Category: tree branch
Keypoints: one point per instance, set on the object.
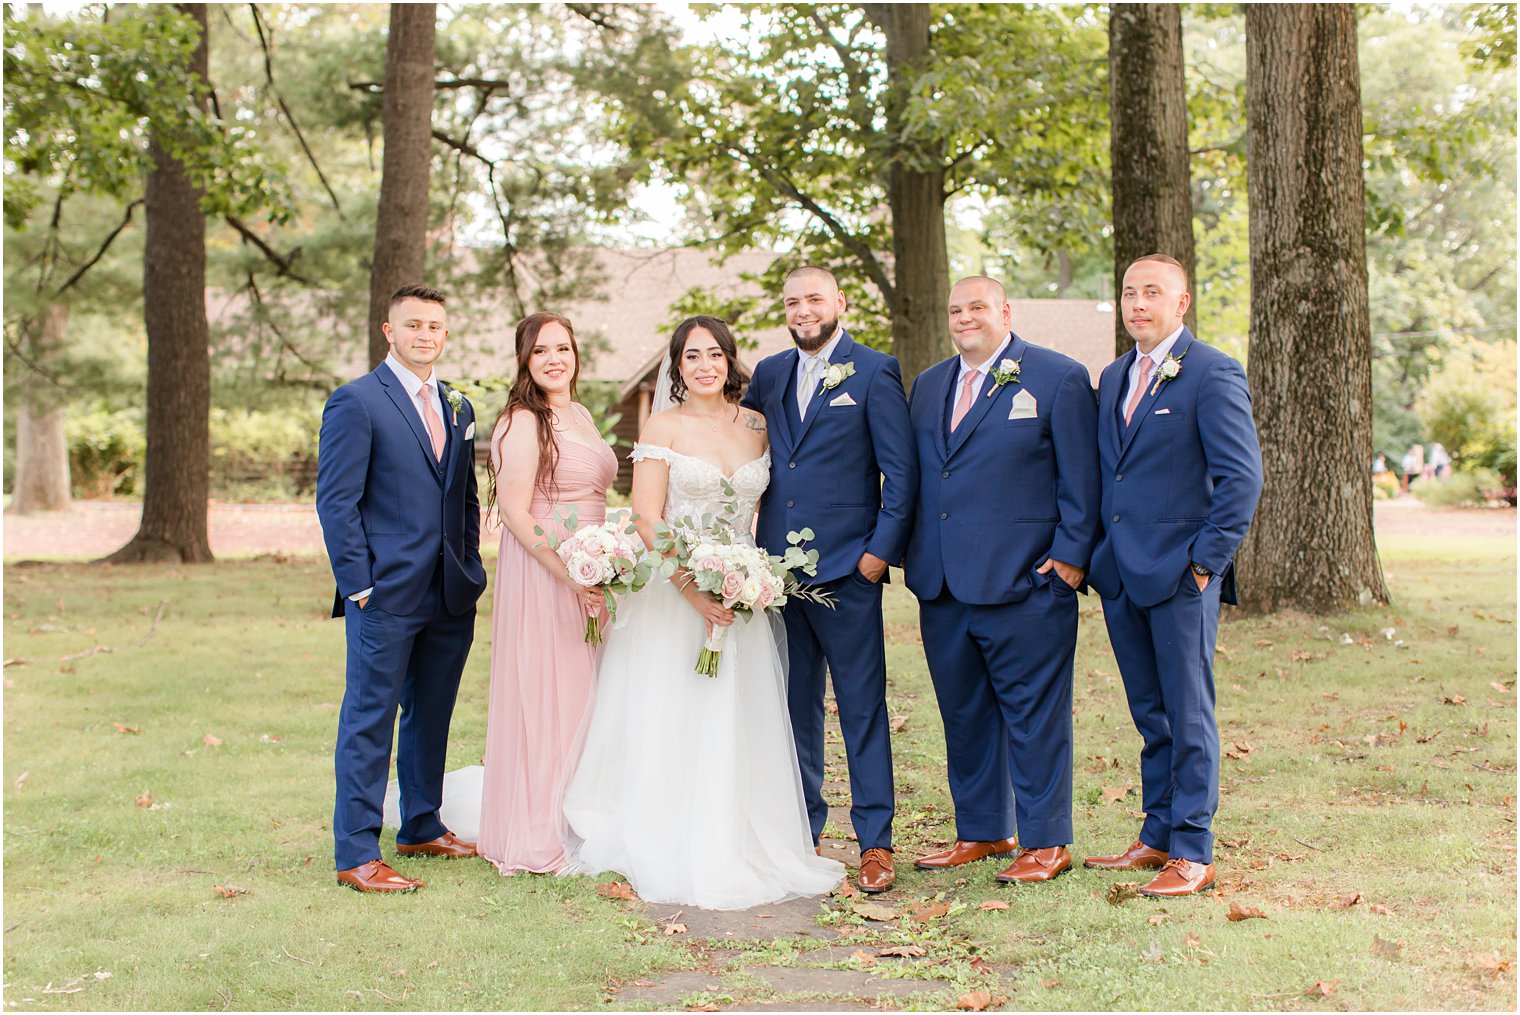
(283, 265)
(105, 245)
(258, 24)
(598, 14)
(376, 87)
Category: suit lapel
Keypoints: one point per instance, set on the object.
(397, 392)
(943, 409)
(1152, 392)
(451, 441)
(786, 396)
(843, 353)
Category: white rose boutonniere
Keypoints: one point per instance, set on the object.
(835, 375)
(456, 403)
(1006, 372)
(1169, 368)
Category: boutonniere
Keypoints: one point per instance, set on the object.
(1169, 368)
(836, 374)
(456, 403)
(1006, 372)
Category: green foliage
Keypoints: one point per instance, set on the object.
(105, 451)
(1471, 422)
(1472, 487)
(1385, 486)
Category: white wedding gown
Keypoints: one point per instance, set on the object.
(688, 785)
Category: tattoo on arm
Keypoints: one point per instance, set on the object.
(755, 423)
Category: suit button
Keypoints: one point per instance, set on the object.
(1119, 478)
(790, 503)
(945, 474)
(944, 514)
(1116, 518)
(791, 465)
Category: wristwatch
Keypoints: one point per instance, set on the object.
(1201, 571)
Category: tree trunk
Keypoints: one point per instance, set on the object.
(176, 467)
(1311, 546)
(1148, 126)
(407, 119)
(42, 449)
(921, 263)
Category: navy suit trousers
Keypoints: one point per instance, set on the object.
(1003, 677)
(845, 642)
(1166, 657)
(412, 661)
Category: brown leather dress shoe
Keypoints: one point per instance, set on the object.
(965, 852)
(1036, 865)
(1138, 857)
(1180, 877)
(377, 876)
(447, 845)
(876, 873)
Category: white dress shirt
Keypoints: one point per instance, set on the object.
(822, 355)
(985, 368)
(1156, 356)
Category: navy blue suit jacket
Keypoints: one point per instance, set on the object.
(848, 471)
(1180, 483)
(999, 496)
(389, 510)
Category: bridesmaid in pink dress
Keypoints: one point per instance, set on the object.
(546, 456)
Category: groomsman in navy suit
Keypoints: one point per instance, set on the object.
(401, 519)
(842, 464)
(1006, 434)
(1181, 474)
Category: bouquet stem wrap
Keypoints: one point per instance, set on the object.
(712, 651)
(593, 630)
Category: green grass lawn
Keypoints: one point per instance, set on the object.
(169, 730)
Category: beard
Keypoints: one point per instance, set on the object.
(826, 331)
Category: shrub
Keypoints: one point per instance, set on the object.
(1385, 486)
(1468, 488)
(105, 451)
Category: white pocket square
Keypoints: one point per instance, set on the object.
(469, 431)
(844, 399)
(1162, 412)
(1024, 406)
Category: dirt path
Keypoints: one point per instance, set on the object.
(91, 529)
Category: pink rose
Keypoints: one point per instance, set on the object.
(767, 596)
(708, 564)
(586, 570)
(733, 584)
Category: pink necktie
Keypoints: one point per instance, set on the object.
(963, 403)
(1146, 366)
(430, 417)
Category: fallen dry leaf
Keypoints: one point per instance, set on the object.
(1387, 949)
(229, 891)
(211, 741)
(1157, 920)
(863, 958)
(1047, 984)
(1492, 963)
(924, 912)
(993, 904)
(1453, 699)
(847, 889)
(1192, 941)
(1239, 912)
(616, 890)
(877, 912)
(1112, 794)
(675, 928)
(903, 952)
(977, 1000)
(1346, 901)
(1322, 989)
(1235, 843)
(1428, 738)
(1122, 891)
(980, 967)
(1501, 688)
(898, 723)
(124, 728)
(145, 799)
(21, 779)
(705, 1007)
(1380, 909)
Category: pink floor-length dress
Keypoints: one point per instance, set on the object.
(542, 675)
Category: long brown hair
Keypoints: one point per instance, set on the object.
(526, 394)
(733, 386)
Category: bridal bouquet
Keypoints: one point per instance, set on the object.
(610, 556)
(741, 576)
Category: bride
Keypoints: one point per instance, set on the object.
(688, 786)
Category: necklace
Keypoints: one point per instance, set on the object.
(703, 419)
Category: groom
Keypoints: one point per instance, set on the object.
(401, 519)
(842, 464)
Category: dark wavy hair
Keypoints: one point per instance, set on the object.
(738, 377)
(527, 395)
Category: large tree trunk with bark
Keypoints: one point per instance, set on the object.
(921, 264)
(1148, 129)
(177, 466)
(407, 120)
(42, 449)
(1311, 546)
